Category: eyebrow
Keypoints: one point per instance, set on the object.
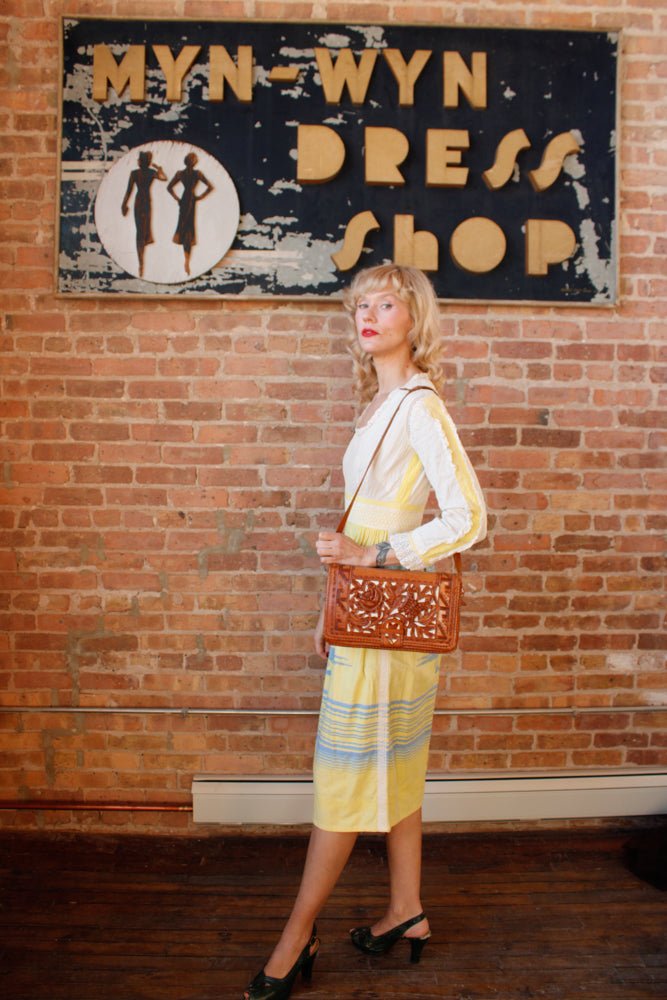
(382, 295)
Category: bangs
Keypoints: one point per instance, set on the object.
(376, 279)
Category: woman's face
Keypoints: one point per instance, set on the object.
(383, 324)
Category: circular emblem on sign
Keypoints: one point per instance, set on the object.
(167, 212)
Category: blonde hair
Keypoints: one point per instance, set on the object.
(414, 289)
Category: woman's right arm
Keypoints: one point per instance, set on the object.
(321, 645)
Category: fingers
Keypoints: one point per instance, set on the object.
(321, 645)
(328, 546)
(334, 547)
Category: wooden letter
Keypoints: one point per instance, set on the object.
(413, 249)
(458, 76)
(478, 245)
(107, 71)
(443, 148)
(507, 151)
(320, 154)
(406, 74)
(284, 74)
(552, 160)
(548, 241)
(237, 74)
(357, 229)
(385, 149)
(345, 71)
(175, 69)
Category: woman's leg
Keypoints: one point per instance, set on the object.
(327, 855)
(404, 854)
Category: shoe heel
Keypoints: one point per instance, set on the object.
(307, 967)
(416, 948)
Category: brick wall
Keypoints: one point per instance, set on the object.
(166, 468)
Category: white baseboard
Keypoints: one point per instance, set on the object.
(289, 800)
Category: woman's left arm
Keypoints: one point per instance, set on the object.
(334, 547)
(462, 519)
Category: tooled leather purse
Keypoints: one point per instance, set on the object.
(384, 608)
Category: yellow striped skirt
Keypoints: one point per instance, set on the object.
(373, 738)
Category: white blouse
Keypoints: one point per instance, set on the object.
(421, 451)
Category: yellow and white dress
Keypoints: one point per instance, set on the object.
(377, 705)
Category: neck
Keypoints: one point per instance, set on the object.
(393, 377)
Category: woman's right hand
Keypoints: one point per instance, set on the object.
(321, 645)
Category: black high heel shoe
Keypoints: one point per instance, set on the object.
(265, 987)
(380, 945)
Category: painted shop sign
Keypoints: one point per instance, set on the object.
(255, 158)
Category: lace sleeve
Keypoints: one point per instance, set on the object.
(462, 518)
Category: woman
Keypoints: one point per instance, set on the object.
(142, 178)
(377, 705)
(189, 179)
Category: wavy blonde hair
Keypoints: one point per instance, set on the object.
(414, 289)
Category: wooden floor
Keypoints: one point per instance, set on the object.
(554, 915)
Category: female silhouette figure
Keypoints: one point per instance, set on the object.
(189, 178)
(142, 178)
